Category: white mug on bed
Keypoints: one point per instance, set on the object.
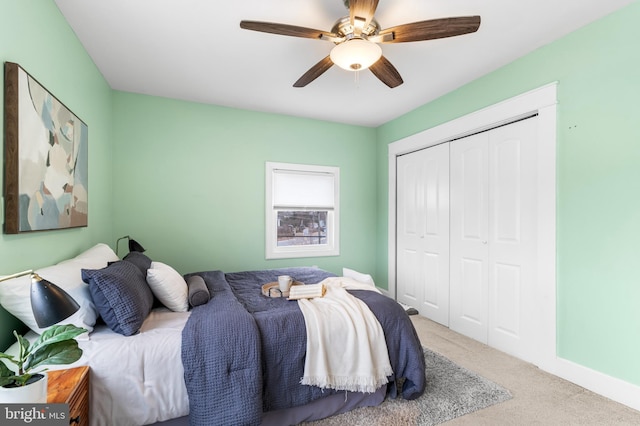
(284, 282)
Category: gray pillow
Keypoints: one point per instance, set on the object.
(121, 295)
(140, 260)
(198, 291)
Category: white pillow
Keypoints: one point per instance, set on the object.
(15, 294)
(358, 276)
(168, 286)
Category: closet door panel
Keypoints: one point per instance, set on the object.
(435, 301)
(506, 310)
(506, 190)
(468, 234)
(411, 175)
(472, 273)
(433, 297)
(423, 232)
(409, 274)
(409, 208)
(512, 242)
(473, 191)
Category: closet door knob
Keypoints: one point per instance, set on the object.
(484, 242)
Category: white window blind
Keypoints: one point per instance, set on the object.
(303, 190)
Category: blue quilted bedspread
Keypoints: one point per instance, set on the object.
(243, 353)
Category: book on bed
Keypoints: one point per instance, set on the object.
(308, 291)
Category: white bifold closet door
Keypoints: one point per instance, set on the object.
(423, 231)
(493, 237)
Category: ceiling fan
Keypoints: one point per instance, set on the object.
(357, 36)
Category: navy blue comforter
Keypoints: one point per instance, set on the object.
(243, 353)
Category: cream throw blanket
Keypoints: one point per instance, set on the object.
(346, 349)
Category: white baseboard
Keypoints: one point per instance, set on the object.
(600, 383)
(610, 387)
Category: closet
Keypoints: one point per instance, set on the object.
(466, 235)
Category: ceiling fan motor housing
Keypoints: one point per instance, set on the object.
(343, 28)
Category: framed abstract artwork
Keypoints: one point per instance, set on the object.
(46, 158)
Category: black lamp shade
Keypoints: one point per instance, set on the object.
(135, 246)
(50, 303)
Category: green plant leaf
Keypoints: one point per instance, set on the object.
(21, 380)
(7, 380)
(5, 371)
(64, 352)
(57, 333)
(6, 375)
(11, 358)
(24, 343)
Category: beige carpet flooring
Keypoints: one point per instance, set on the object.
(539, 398)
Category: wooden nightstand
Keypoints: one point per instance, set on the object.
(71, 386)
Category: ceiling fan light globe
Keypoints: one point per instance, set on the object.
(355, 54)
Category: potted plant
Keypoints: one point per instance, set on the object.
(55, 346)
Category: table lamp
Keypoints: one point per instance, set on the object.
(50, 304)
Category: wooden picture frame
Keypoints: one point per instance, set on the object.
(45, 156)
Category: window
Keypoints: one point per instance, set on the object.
(302, 210)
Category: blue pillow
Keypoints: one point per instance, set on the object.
(121, 295)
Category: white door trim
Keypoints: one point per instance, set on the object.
(542, 101)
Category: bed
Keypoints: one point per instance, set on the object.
(236, 359)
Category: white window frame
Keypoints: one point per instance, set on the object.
(272, 250)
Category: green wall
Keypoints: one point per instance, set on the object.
(598, 181)
(34, 34)
(187, 180)
(190, 182)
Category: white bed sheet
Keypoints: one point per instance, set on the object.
(139, 379)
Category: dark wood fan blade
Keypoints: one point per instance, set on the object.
(314, 72)
(363, 9)
(386, 72)
(284, 29)
(432, 29)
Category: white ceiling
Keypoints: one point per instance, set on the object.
(195, 50)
